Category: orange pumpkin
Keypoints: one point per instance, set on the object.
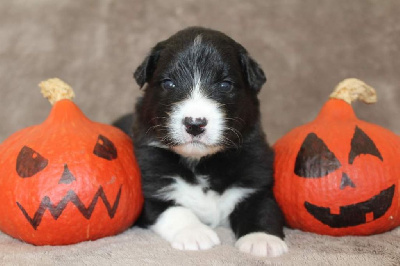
(68, 179)
(339, 175)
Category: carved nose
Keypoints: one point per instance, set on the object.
(195, 126)
(67, 177)
(346, 182)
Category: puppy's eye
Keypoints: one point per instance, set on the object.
(167, 84)
(225, 86)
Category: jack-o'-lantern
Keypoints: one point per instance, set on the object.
(339, 175)
(68, 179)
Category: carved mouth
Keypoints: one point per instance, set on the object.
(56, 210)
(355, 214)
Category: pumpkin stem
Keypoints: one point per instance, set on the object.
(353, 89)
(55, 90)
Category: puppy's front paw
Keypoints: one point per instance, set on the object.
(196, 237)
(261, 244)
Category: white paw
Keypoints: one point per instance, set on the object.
(196, 237)
(261, 244)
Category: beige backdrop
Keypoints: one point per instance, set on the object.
(305, 47)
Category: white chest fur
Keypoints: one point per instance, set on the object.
(209, 206)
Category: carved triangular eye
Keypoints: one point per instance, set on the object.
(362, 144)
(29, 162)
(105, 148)
(315, 159)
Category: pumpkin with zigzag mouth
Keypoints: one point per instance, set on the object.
(68, 179)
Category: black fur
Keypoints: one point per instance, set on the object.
(246, 160)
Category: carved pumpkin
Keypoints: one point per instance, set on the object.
(68, 179)
(339, 175)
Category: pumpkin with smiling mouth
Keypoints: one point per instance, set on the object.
(339, 175)
(68, 179)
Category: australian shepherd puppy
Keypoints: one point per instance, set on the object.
(202, 152)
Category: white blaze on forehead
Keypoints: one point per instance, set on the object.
(197, 41)
(196, 91)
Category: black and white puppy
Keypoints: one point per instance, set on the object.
(200, 147)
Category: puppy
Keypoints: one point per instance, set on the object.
(200, 147)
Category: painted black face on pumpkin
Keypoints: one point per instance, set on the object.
(316, 160)
(30, 163)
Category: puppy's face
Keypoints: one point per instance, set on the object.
(201, 95)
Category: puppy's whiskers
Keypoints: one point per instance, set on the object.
(237, 133)
(154, 127)
(229, 143)
(235, 119)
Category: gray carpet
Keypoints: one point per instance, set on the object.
(305, 47)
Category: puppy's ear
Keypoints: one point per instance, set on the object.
(254, 74)
(145, 71)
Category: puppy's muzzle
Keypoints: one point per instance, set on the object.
(195, 126)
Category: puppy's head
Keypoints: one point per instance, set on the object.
(201, 93)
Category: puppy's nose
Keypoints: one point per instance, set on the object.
(195, 126)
